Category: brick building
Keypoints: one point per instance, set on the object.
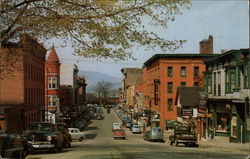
(22, 95)
(206, 45)
(131, 77)
(163, 74)
(52, 79)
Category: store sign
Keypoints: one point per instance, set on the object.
(202, 100)
(187, 112)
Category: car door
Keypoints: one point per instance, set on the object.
(73, 134)
(77, 134)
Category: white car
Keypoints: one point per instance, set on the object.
(116, 126)
(76, 134)
(136, 129)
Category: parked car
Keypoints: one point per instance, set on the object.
(76, 134)
(12, 146)
(44, 135)
(116, 126)
(183, 134)
(63, 128)
(155, 134)
(119, 133)
(136, 129)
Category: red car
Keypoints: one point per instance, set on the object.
(119, 133)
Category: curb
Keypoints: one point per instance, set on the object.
(224, 148)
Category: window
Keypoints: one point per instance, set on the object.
(183, 84)
(214, 82)
(230, 80)
(52, 81)
(196, 84)
(53, 101)
(196, 71)
(170, 71)
(246, 76)
(219, 83)
(183, 71)
(208, 83)
(170, 87)
(170, 104)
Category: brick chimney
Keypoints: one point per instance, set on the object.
(206, 46)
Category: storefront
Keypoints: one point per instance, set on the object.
(219, 124)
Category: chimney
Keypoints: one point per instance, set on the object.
(206, 46)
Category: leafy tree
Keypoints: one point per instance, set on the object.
(95, 28)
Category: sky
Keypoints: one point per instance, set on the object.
(226, 20)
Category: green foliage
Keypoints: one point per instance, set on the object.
(96, 28)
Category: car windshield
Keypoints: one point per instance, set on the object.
(119, 130)
(41, 127)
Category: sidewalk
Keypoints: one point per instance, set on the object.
(223, 144)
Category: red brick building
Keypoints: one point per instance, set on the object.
(52, 78)
(22, 95)
(163, 74)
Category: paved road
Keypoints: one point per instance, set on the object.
(101, 145)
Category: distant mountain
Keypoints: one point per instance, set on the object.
(93, 77)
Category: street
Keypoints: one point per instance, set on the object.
(101, 145)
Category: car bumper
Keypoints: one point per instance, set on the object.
(120, 136)
(186, 141)
(43, 146)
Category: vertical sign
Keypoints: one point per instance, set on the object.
(156, 91)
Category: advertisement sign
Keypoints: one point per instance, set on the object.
(187, 112)
(156, 91)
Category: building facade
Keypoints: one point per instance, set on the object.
(163, 74)
(131, 77)
(227, 85)
(52, 79)
(22, 95)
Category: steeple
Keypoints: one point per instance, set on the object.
(52, 55)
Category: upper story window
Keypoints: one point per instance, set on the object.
(196, 84)
(170, 71)
(53, 83)
(246, 77)
(183, 84)
(53, 101)
(208, 83)
(196, 71)
(170, 104)
(230, 80)
(183, 71)
(170, 87)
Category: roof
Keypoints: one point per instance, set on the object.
(189, 96)
(226, 54)
(169, 56)
(53, 55)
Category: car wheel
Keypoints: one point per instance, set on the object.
(69, 145)
(124, 138)
(81, 138)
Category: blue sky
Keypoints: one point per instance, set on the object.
(226, 20)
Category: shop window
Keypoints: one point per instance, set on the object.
(222, 122)
(170, 71)
(234, 126)
(208, 83)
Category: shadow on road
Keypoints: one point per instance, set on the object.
(91, 128)
(91, 136)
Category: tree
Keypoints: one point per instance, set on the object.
(96, 28)
(102, 89)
